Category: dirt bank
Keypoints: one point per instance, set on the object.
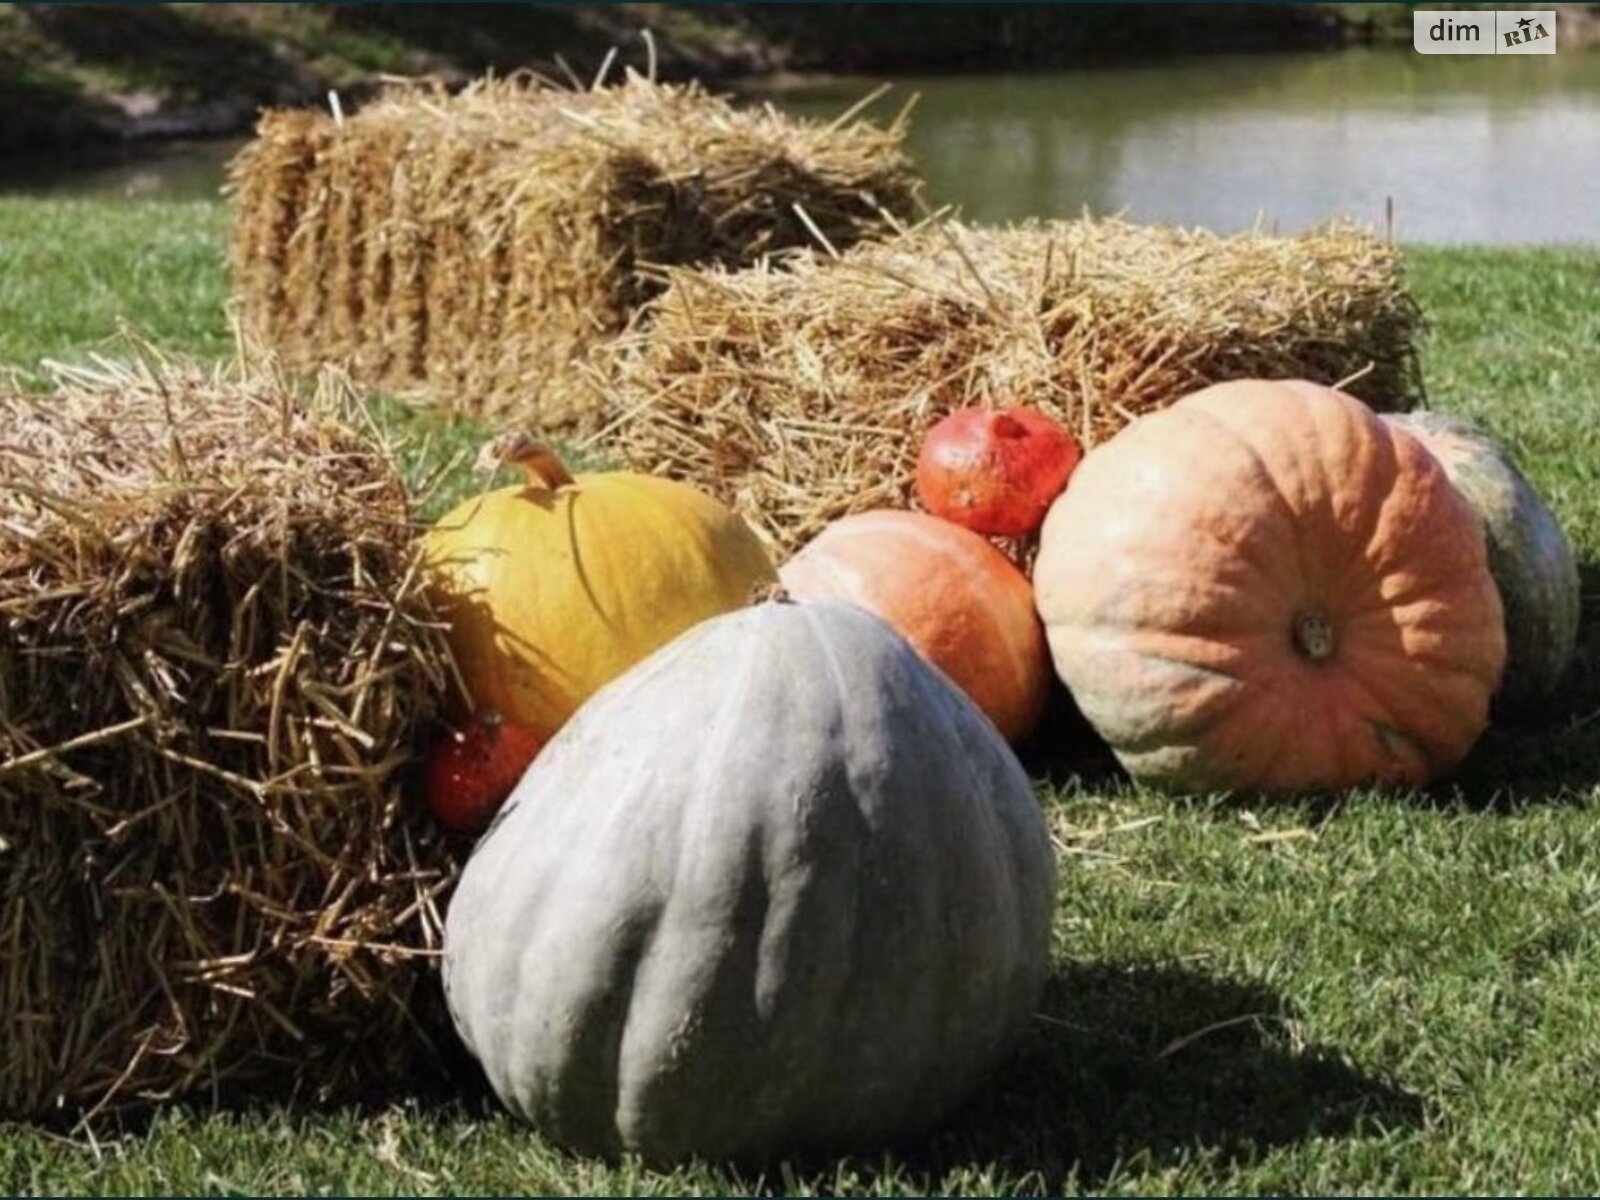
(81, 73)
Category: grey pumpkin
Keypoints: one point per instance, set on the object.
(1529, 556)
(780, 887)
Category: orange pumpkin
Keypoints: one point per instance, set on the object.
(949, 593)
(1266, 587)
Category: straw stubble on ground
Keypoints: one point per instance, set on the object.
(1392, 993)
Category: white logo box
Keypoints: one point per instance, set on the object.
(1507, 31)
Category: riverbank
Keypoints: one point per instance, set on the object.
(1222, 141)
(87, 73)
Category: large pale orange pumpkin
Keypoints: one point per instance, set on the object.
(948, 592)
(556, 586)
(1266, 587)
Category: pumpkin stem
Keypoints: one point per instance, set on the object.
(770, 593)
(1313, 636)
(543, 466)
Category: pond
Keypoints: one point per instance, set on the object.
(1468, 149)
(1471, 149)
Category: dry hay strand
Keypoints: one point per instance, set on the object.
(466, 247)
(799, 392)
(214, 661)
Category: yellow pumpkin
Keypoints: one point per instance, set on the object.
(558, 585)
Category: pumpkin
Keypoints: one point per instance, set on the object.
(470, 771)
(995, 472)
(947, 591)
(1529, 556)
(555, 586)
(779, 887)
(1266, 587)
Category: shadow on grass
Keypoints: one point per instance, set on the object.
(43, 106)
(473, 38)
(161, 47)
(480, 37)
(1065, 746)
(1131, 1065)
(1125, 1067)
(884, 37)
(1548, 756)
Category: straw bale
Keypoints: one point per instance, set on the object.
(799, 392)
(466, 247)
(214, 662)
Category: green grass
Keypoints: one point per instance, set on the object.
(1388, 992)
(73, 272)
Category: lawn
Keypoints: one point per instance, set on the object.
(1386, 992)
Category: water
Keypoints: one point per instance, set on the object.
(1480, 149)
(1470, 149)
(180, 170)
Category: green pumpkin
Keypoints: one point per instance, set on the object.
(1529, 556)
(780, 887)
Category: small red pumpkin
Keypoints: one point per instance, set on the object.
(470, 772)
(995, 472)
(949, 593)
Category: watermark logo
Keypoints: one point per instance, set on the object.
(1526, 32)
(1508, 31)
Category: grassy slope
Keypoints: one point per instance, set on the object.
(1393, 993)
(67, 72)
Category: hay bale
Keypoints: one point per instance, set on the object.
(468, 246)
(214, 660)
(799, 393)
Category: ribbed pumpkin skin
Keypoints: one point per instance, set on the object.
(553, 592)
(1205, 557)
(1529, 556)
(779, 887)
(947, 591)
